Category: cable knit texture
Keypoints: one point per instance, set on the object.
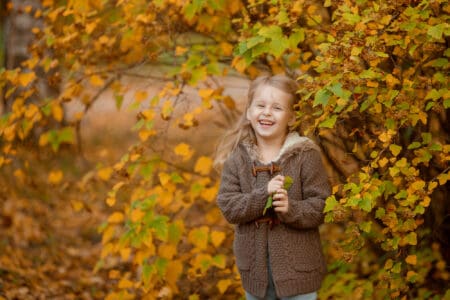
(293, 247)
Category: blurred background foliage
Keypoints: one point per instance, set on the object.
(110, 111)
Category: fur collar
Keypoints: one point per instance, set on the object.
(293, 144)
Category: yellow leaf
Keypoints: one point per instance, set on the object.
(167, 251)
(77, 205)
(96, 80)
(442, 178)
(188, 120)
(148, 241)
(108, 234)
(105, 173)
(173, 272)
(164, 178)
(90, 27)
(217, 237)
(114, 274)
(426, 201)
(223, 285)
(227, 48)
(166, 109)
(55, 177)
(203, 165)
(149, 114)
(205, 93)
(372, 83)
(26, 78)
(125, 253)
(180, 50)
(111, 201)
(199, 237)
(184, 150)
(432, 185)
(209, 194)
(410, 276)
(391, 80)
(382, 162)
(389, 263)
(418, 185)
(411, 259)
(137, 215)
(106, 249)
(140, 96)
(116, 217)
(144, 134)
(125, 284)
(57, 111)
(395, 149)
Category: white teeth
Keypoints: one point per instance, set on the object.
(265, 122)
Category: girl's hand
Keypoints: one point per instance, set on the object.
(275, 184)
(281, 201)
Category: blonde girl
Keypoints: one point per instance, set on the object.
(278, 253)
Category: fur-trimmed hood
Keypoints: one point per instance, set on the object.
(293, 144)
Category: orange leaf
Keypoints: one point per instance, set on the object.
(116, 217)
(167, 251)
(217, 237)
(96, 80)
(223, 285)
(105, 173)
(55, 177)
(140, 96)
(203, 165)
(411, 259)
(26, 78)
(184, 150)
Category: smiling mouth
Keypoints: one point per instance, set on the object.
(265, 122)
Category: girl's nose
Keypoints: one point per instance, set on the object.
(267, 111)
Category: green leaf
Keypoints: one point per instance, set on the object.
(395, 149)
(321, 97)
(272, 32)
(338, 91)
(426, 137)
(330, 204)
(260, 49)
(283, 17)
(329, 122)
(414, 145)
(119, 101)
(365, 204)
(161, 266)
(365, 226)
(159, 224)
(297, 37)
(436, 31)
(268, 204)
(255, 40)
(278, 46)
(381, 212)
(447, 103)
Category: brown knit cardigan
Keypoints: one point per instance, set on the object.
(293, 246)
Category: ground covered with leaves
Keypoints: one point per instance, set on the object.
(49, 239)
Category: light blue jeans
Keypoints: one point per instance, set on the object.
(271, 295)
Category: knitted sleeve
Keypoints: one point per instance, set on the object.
(308, 213)
(236, 206)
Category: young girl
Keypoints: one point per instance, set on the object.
(278, 253)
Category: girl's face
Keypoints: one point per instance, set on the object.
(269, 113)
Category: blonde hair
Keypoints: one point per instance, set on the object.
(243, 129)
